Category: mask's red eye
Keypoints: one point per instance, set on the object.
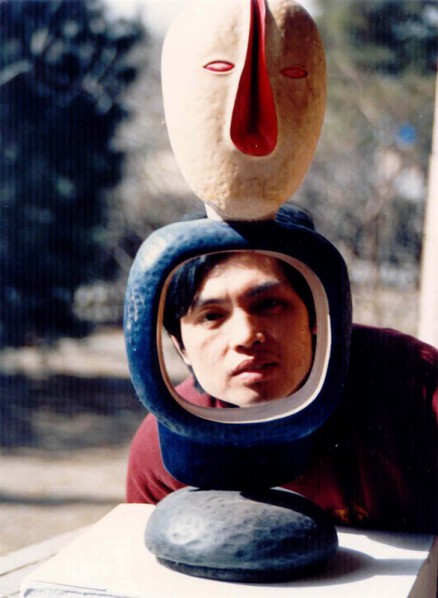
(219, 66)
(295, 72)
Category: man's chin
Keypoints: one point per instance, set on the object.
(250, 401)
(252, 396)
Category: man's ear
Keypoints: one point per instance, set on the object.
(181, 351)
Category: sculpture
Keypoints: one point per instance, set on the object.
(244, 91)
(244, 85)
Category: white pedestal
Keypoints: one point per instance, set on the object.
(110, 560)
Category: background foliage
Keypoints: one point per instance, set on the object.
(81, 185)
(63, 66)
(367, 186)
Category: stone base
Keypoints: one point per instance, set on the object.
(260, 537)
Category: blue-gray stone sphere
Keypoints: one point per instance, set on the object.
(263, 536)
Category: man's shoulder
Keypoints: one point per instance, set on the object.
(378, 331)
(365, 337)
(392, 361)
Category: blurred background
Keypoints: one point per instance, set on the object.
(86, 174)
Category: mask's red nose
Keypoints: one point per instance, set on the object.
(254, 119)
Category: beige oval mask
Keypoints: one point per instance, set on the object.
(244, 85)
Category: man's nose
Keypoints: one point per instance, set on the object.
(245, 331)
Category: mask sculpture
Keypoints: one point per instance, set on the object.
(244, 88)
(244, 95)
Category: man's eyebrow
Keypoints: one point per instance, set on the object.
(266, 287)
(200, 302)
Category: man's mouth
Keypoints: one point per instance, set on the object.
(254, 369)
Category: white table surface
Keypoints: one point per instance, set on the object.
(110, 560)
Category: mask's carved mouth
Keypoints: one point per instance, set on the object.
(254, 128)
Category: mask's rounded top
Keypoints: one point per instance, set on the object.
(244, 86)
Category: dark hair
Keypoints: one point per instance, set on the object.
(189, 276)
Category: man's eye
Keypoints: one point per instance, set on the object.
(211, 316)
(269, 305)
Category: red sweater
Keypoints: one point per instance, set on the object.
(374, 464)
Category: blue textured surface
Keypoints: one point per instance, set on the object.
(263, 536)
(192, 446)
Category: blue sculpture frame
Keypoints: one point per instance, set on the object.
(217, 454)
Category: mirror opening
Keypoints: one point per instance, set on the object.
(248, 329)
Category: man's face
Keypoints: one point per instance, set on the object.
(247, 335)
